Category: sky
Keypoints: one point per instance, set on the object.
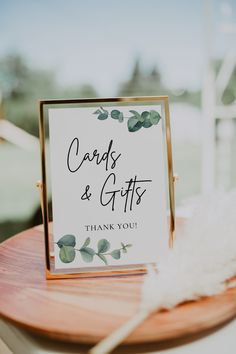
(97, 41)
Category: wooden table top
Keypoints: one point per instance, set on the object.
(86, 310)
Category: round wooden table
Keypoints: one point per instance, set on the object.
(87, 310)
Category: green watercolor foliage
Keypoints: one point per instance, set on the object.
(67, 253)
(135, 122)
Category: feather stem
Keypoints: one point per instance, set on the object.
(118, 336)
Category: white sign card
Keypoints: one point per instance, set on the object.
(109, 181)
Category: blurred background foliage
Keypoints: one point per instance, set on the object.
(23, 85)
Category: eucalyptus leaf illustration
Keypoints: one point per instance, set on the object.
(87, 254)
(135, 122)
(67, 254)
(154, 117)
(103, 116)
(68, 251)
(102, 113)
(67, 240)
(98, 111)
(121, 117)
(103, 246)
(103, 258)
(136, 115)
(86, 242)
(144, 116)
(115, 114)
(124, 247)
(116, 254)
(147, 122)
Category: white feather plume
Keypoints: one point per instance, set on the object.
(203, 258)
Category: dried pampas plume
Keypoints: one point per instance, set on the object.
(203, 259)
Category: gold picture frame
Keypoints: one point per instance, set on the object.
(44, 105)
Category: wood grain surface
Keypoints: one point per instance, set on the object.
(87, 310)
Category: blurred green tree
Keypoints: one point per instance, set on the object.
(22, 86)
(150, 82)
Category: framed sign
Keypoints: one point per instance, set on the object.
(108, 166)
